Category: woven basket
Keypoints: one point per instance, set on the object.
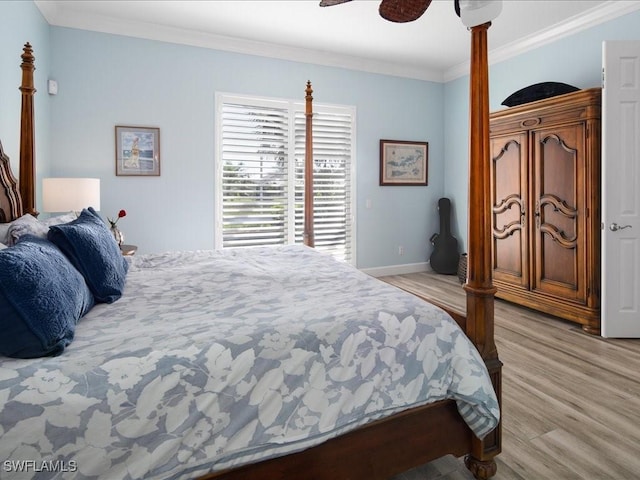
(462, 269)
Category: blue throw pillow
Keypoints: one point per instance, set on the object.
(42, 297)
(89, 245)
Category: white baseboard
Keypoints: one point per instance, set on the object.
(397, 269)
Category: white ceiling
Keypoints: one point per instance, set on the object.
(352, 35)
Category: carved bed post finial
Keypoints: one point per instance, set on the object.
(308, 236)
(27, 142)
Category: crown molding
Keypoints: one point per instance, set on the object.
(590, 18)
(54, 16)
(597, 15)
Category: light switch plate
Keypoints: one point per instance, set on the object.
(53, 87)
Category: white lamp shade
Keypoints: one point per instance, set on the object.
(70, 194)
(477, 12)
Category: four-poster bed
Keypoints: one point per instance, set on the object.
(378, 448)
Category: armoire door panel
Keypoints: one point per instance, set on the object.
(559, 212)
(510, 207)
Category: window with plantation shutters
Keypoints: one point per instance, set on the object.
(260, 174)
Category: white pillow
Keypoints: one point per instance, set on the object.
(60, 219)
(21, 226)
(4, 230)
(2, 246)
(29, 224)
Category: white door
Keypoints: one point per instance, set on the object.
(621, 189)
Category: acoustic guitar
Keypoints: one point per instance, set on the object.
(445, 256)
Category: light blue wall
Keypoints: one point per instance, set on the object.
(21, 22)
(107, 80)
(576, 60)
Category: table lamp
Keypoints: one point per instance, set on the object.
(70, 194)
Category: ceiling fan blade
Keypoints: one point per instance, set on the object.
(401, 11)
(329, 3)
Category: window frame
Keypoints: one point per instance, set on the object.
(292, 107)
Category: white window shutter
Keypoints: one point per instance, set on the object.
(261, 174)
(331, 182)
(254, 175)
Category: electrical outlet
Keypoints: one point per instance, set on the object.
(400, 250)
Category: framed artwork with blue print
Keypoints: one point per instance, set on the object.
(137, 151)
(403, 162)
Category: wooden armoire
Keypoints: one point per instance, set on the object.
(545, 189)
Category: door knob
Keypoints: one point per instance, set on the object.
(614, 227)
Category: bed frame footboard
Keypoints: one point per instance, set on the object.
(375, 451)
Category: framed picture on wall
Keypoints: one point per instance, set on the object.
(403, 163)
(137, 151)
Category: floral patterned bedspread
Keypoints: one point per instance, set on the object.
(212, 359)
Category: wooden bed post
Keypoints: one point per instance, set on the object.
(479, 287)
(27, 143)
(308, 237)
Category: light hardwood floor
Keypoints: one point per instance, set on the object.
(570, 401)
